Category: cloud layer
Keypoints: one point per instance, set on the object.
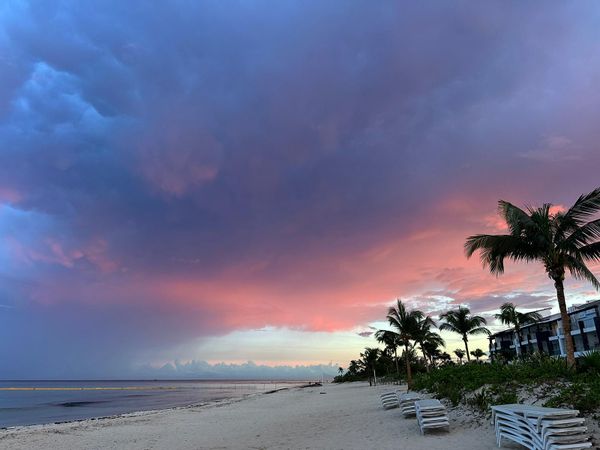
(180, 172)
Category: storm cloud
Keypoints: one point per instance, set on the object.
(178, 170)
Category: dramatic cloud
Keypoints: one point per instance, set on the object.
(174, 173)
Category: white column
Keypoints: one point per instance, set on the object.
(561, 339)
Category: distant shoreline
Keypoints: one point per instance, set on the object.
(138, 412)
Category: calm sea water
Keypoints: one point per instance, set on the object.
(60, 401)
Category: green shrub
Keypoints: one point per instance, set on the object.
(583, 395)
(589, 362)
(499, 382)
(481, 400)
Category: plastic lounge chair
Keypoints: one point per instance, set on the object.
(407, 402)
(389, 400)
(431, 414)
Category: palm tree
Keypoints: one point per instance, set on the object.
(391, 341)
(354, 367)
(368, 361)
(462, 322)
(431, 351)
(477, 353)
(406, 325)
(510, 316)
(561, 241)
(425, 337)
(460, 354)
(341, 371)
(445, 357)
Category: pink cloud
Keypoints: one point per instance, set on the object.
(9, 195)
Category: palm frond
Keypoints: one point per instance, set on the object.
(583, 235)
(528, 317)
(542, 237)
(477, 320)
(495, 248)
(590, 252)
(580, 271)
(479, 330)
(517, 220)
(585, 206)
(449, 327)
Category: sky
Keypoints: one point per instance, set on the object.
(191, 187)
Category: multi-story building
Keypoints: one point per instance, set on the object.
(547, 336)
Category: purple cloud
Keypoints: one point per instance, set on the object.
(271, 158)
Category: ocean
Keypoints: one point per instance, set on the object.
(38, 402)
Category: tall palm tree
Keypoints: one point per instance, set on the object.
(391, 341)
(354, 367)
(406, 326)
(462, 322)
(424, 336)
(561, 241)
(460, 354)
(368, 360)
(431, 351)
(510, 316)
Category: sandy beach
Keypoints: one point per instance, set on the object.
(346, 416)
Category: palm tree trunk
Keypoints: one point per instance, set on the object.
(566, 321)
(396, 359)
(467, 347)
(408, 371)
(427, 368)
(518, 333)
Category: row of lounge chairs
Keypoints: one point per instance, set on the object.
(430, 413)
(534, 427)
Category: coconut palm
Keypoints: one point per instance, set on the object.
(445, 358)
(391, 341)
(368, 360)
(510, 316)
(427, 338)
(462, 322)
(477, 353)
(341, 370)
(406, 326)
(460, 354)
(562, 241)
(431, 351)
(354, 367)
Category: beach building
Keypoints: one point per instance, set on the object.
(547, 336)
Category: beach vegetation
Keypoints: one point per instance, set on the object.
(481, 385)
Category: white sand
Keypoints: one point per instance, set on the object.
(347, 416)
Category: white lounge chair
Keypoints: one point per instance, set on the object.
(431, 414)
(407, 402)
(389, 400)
